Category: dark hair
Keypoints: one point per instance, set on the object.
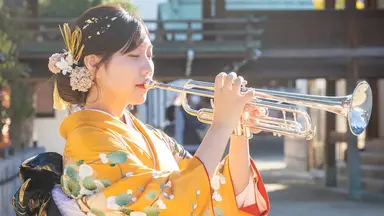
(106, 29)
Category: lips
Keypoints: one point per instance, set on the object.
(141, 85)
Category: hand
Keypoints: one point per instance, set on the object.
(254, 112)
(229, 101)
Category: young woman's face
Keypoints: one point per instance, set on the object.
(123, 79)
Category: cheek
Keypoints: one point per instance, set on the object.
(121, 76)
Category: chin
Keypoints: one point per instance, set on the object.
(139, 100)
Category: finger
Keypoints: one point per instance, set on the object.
(219, 80)
(237, 83)
(249, 95)
(255, 131)
(229, 80)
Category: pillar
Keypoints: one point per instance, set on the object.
(330, 145)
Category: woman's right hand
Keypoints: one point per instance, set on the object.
(229, 101)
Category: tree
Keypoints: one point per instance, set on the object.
(74, 8)
(13, 83)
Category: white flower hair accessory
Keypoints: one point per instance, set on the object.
(81, 79)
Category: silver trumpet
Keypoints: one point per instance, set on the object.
(295, 120)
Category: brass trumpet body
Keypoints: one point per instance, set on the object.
(295, 120)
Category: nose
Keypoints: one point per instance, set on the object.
(148, 68)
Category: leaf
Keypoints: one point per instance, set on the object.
(72, 173)
(112, 165)
(117, 157)
(218, 211)
(151, 211)
(74, 187)
(151, 195)
(126, 211)
(97, 212)
(79, 162)
(123, 199)
(89, 183)
(106, 182)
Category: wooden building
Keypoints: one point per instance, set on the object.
(330, 47)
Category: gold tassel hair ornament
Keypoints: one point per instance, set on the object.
(66, 62)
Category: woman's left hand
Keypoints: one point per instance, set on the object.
(252, 114)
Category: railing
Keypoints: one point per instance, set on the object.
(319, 29)
(243, 31)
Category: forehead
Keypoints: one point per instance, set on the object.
(145, 44)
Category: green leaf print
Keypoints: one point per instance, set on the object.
(117, 157)
(151, 195)
(126, 211)
(123, 199)
(79, 162)
(74, 187)
(218, 211)
(106, 182)
(89, 183)
(72, 173)
(97, 212)
(151, 211)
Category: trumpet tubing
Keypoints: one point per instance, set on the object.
(293, 120)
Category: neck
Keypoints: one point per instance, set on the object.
(111, 106)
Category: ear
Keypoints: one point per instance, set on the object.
(92, 62)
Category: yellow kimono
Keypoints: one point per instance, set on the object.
(101, 157)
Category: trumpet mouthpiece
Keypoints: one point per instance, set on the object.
(149, 84)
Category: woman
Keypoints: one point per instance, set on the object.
(116, 165)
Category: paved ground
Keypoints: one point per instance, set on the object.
(293, 193)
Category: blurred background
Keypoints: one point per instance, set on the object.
(321, 47)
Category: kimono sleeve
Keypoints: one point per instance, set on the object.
(115, 181)
(224, 197)
(254, 200)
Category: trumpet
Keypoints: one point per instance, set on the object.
(295, 120)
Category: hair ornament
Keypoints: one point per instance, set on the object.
(81, 79)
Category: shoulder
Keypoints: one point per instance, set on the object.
(90, 138)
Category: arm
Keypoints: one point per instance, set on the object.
(239, 163)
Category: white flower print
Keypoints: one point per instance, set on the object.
(128, 174)
(129, 192)
(161, 204)
(217, 197)
(217, 180)
(169, 184)
(103, 158)
(85, 191)
(85, 170)
(99, 184)
(111, 203)
(136, 213)
(198, 192)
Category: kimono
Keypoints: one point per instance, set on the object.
(104, 164)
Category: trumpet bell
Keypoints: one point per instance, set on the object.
(360, 108)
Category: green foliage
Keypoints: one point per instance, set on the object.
(13, 74)
(65, 8)
(74, 8)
